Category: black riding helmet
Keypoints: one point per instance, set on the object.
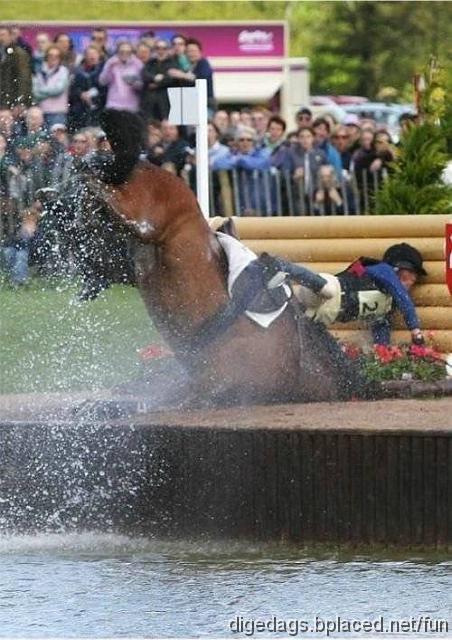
(404, 256)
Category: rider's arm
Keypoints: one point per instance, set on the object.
(381, 330)
(386, 278)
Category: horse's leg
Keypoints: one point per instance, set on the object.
(327, 373)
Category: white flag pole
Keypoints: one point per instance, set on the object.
(202, 149)
(188, 106)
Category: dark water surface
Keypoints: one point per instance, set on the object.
(98, 585)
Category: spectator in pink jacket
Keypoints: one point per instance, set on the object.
(122, 77)
(51, 88)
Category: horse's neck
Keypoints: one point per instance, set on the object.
(191, 276)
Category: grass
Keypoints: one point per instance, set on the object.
(48, 343)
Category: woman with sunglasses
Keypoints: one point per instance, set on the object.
(154, 102)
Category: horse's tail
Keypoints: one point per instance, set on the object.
(350, 379)
(126, 134)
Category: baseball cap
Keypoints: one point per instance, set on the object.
(351, 119)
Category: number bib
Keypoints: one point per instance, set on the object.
(373, 304)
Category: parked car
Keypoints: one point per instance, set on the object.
(385, 115)
(332, 108)
(342, 100)
(345, 100)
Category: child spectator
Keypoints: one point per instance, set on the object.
(328, 198)
(17, 249)
(322, 129)
(303, 161)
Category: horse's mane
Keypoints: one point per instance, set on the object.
(126, 134)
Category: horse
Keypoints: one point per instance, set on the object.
(181, 273)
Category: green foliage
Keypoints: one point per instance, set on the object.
(354, 47)
(446, 118)
(361, 47)
(415, 186)
(150, 11)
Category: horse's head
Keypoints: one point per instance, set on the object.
(148, 200)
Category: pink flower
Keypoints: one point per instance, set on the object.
(421, 351)
(387, 353)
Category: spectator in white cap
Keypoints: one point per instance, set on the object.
(59, 136)
(246, 160)
(351, 121)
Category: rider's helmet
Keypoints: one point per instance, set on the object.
(404, 256)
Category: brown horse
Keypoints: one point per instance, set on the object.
(181, 275)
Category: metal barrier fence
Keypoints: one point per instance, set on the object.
(259, 193)
(277, 193)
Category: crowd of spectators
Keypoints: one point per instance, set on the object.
(322, 166)
(51, 100)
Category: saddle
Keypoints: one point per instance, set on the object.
(252, 291)
(252, 286)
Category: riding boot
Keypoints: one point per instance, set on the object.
(282, 269)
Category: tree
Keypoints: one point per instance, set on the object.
(361, 47)
(416, 185)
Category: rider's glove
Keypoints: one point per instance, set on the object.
(417, 337)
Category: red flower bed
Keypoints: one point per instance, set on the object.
(399, 362)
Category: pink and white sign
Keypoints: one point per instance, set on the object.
(218, 40)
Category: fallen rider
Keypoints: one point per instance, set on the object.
(368, 289)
